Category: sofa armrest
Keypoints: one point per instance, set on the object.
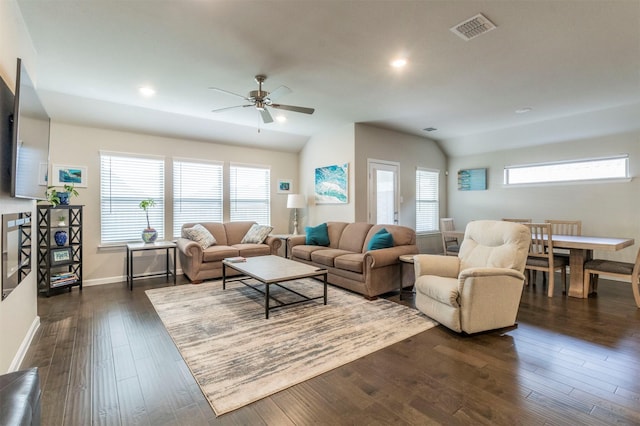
(296, 240)
(189, 248)
(435, 264)
(387, 256)
(274, 244)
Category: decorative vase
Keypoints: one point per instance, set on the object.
(64, 198)
(60, 237)
(149, 235)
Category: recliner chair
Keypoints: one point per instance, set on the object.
(480, 289)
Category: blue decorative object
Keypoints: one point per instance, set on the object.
(60, 237)
(64, 198)
(318, 235)
(149, 235)
(381, 239)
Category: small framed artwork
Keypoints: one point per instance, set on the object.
(69, 175)
(472, 179)
(43, 174)
(60, 256)
(284, 186)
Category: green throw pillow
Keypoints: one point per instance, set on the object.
(317, 235)
(381, 239)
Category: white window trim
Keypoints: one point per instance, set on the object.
(437, 230)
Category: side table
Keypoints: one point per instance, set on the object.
(158, 245)
(407, 261)
(285, 240)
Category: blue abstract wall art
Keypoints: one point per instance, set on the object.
(332, 184)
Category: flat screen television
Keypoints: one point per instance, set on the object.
(30, 141)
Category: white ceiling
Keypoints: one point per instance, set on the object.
(575, 62)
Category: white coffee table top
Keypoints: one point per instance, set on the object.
(271, 269)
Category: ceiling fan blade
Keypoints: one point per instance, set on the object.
(229, 93)
(280, 91)
(232, 107)
(294, 108)
(266, 116)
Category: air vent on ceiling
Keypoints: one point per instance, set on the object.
(473, 27)
(429, 129)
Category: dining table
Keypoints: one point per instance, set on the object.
(581, 249)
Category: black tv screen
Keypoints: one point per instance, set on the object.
(6, 126)
(30, 148)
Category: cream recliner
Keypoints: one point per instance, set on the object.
(480, 289)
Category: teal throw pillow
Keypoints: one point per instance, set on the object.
(317, 235)
(381, 239)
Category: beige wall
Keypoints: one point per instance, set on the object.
(606, 209)
(328, 148)
(80, 146)
(18, 312)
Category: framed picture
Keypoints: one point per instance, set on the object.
(43, 174)
(284, 186)
(332, 184)
(69, 175)
(472, 179)
(60, 256)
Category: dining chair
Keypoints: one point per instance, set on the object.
(517, 220)
(541, 256)
(563, 227)
(624, 270)
(450, 243)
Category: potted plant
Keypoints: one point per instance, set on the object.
(56, 197)
(149, 235)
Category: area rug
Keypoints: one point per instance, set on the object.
(238, 357)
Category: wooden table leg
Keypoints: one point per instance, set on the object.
(577, 259)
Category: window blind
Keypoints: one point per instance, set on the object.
(427, 203)
(249, 193)
(197, 193)
(125, 180)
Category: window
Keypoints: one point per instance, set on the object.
(249, 193)
(427, 204)
(125, 180)
(197, 193)
(567, 171)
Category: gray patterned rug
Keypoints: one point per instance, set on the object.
(238, 357)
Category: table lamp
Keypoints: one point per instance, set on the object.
(295, 202)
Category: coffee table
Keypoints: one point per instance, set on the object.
(273, 270)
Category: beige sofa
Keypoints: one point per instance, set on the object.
(350, 265)
(201, 264)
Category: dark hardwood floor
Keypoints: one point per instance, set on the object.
(105, 358)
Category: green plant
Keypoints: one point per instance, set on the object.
(53, 196)
(146, 205)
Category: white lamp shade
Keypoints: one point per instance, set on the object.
(296, 201)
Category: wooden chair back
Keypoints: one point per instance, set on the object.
(449, 239)
(517, 220)
(565, 227)
(541, 256)
(611, 268)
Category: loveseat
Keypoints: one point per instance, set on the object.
(200, 263)
(350, 264)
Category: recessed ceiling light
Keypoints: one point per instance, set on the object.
(281, 118)
(146, 91)
(524, 110)
(399, 63)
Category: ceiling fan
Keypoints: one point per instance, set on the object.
(261, 99)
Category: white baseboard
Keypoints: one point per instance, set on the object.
(111, 280)
(24, 346)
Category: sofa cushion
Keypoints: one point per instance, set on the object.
(200, 235)
(250, 250)
(317, 235)
(402, 235)
(216, 229)
(353, 236)
(351, 262)
(304, 252)
(335, 232)
(235, 231)
(256, 234)
(326, 256)
(381, 239)
(218, 253)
